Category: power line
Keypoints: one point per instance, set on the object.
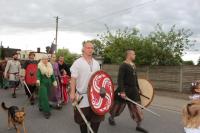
(109, 14)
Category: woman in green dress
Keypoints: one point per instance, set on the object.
(45, 81)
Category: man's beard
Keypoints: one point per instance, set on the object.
(15, 58)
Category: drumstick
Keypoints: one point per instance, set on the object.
(144, 96)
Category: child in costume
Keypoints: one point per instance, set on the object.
(64, 84)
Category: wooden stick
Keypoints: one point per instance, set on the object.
(130, 100)
(75, 104)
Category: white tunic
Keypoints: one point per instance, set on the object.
(81, 70)
(192, 130)
(195, 97)
(12, 68)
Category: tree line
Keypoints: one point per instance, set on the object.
(159, 47)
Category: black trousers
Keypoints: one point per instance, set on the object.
(94, 126)
(93, 118)
(32, 89)
(1, 81)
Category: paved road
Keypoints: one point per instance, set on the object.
(62, 121)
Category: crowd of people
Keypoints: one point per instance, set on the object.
(48, 78)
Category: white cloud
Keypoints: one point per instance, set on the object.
(30, 24)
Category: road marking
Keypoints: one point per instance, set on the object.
(166, 108)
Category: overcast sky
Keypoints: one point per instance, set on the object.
(28, 24)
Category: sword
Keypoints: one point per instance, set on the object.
(27, 88)
(130, 100)
(76, 104)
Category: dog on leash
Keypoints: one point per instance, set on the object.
(16, 117)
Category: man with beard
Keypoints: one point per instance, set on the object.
(12, 71)
(127, 87)
(30, 67)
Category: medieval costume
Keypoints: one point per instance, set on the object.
(12, 71)
(55, 96)
(128, 83)
(45, 80)
(64, 85)
(30, 78)
(82, 70)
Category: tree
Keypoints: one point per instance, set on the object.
(68, 56)
(48, 49)
(198, 61)
(190, 62)
(170, 44)
(98, 47)
(158, 48)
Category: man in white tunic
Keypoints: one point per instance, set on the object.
(12, 73)
(81, 72)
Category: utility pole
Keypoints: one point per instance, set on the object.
(56, 38)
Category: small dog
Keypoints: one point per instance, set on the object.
(16, 117)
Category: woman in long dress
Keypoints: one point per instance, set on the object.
(55, 96)
(46, 80)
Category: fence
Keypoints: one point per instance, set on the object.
(170, 78)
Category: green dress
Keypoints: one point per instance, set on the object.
(44, 90)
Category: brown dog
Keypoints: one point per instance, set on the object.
(16, 117)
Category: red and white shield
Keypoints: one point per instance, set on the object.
(101, 92)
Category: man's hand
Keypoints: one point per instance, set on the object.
(38, 83)
(123, 95)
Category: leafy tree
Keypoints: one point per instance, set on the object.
(190, 62)
(198, 61)
(170, 44)
(158, 48)
(98, 47)
(68, 56)
(48, 49)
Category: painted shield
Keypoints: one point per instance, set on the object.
(146, 92)
(101, 92)
(31, 74)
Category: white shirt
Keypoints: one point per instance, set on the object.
(192, 130)
(13, 67)
(82, 71)
(195, 97)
